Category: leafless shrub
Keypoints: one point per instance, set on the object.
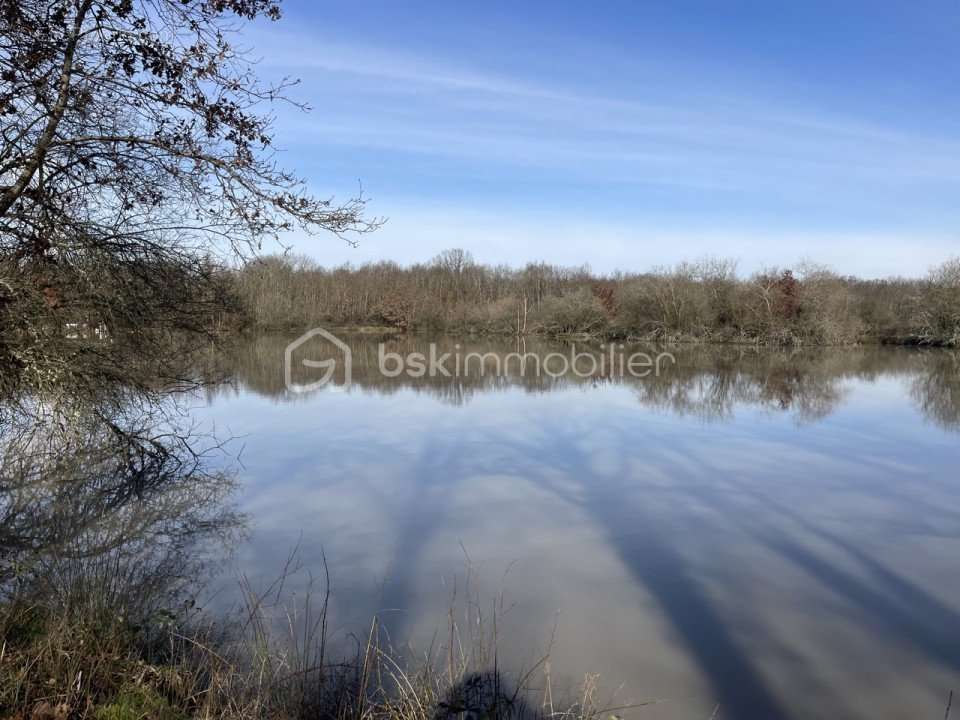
(579, 313)
(938, 306)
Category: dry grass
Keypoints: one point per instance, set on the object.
(273, 663)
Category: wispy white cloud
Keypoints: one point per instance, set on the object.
(398, 101)
(876, 181)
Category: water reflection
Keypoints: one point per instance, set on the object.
(109, 504)
(772, 531)
(937, 389)
(707, 381)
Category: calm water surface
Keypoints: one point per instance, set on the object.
(777, 533)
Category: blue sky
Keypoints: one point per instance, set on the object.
(631, 134)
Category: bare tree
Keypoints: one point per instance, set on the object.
(939, 305)
(134, 142)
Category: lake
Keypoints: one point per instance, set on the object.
(774, 532)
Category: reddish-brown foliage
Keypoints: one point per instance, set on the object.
(606, 294)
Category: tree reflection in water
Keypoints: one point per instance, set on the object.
(120, 505)
(937, 390)
(707, 381)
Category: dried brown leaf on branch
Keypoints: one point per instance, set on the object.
(136, 145)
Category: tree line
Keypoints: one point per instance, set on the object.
(704, 300)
